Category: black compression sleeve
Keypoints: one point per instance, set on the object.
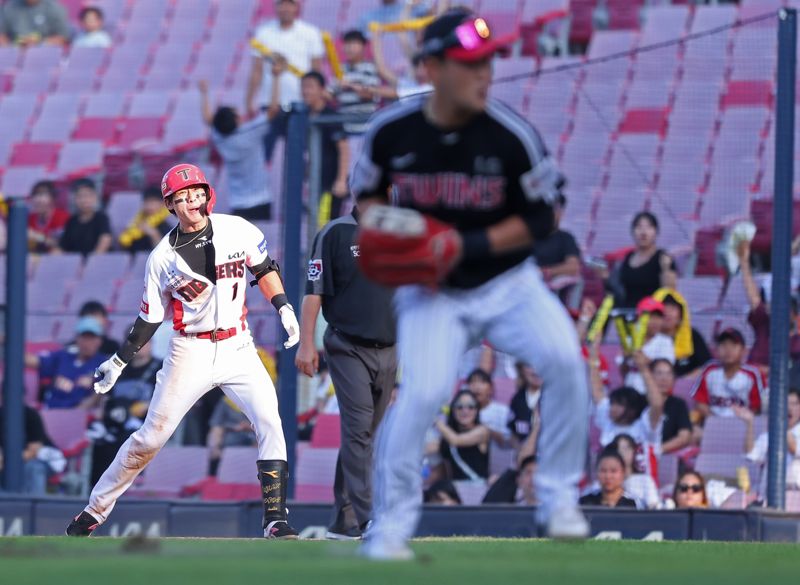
(141, 332)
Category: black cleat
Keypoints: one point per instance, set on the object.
(84, 524)
(339, 533)
(280, 530)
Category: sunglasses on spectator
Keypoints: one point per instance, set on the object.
(695, 488)
(466, 406)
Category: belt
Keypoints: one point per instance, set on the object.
(215, 335)
(355, 340)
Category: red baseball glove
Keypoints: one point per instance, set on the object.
(402, 246)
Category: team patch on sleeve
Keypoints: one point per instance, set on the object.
(262, 247)
(145, 307)
(314, 269)
(542, 183)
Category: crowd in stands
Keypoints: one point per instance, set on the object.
(642, 423)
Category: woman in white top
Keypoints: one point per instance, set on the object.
(638, 484)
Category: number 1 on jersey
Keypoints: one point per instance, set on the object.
(235, 290)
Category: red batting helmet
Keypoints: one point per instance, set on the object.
(183, 176)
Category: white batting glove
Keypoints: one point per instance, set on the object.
(290, 324)
(106, 374)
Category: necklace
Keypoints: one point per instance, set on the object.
(175, 246)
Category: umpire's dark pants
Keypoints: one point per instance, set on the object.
(363, 378)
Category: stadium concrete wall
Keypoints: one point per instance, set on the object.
(49, 516)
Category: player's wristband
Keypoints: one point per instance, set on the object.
(475, 245)
(279, 300)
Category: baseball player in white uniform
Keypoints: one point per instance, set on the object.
(470, 187)
(197, 276)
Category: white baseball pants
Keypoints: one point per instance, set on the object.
(192, 368)
(518, 315)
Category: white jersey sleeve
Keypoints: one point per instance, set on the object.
(255, 244)
(155, 299)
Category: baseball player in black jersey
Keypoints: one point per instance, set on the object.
(471, 188)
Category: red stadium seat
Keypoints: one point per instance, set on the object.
(136, 131)
(748, 94)
(327, 432)
(35, 154)
(102, 129)
(644, 121)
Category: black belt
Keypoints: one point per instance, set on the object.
(356, 340)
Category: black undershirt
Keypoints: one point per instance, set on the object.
(197, 249)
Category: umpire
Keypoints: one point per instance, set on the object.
(360, 348)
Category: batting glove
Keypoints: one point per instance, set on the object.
(290, 324)
(106, 374)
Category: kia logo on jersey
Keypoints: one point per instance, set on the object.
(314, 269)
(236, 255)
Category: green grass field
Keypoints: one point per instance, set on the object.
(63, 561)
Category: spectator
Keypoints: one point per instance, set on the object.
(149, 225)
(493, 414)
(611, 476)
(40, 458)
(46, 220)
(391, 11)
(591, 350)
(138, 380)
(442, 493)
(690, 491)
(92, 35)
(230, 427)
(360, 89)
(464, 446)
(335, 148)
(691, 351)
(757, 449)
(677, 428)
(641, 486)
(413, 83)
(625, 411)
(558, 255)
(514, 486)
(88, 230)
(238, 144)
(98, 311)
(124, 409)
(656, 345)
(30, 22)
(729, 381)
(292, 40)
(647, 268)
(525, 403)
(66, 376)
(759, 316)
(107, 433)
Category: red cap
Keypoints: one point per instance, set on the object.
(649, 305)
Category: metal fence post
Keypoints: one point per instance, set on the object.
(13, 386)
(781, 258)
(294, 176)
